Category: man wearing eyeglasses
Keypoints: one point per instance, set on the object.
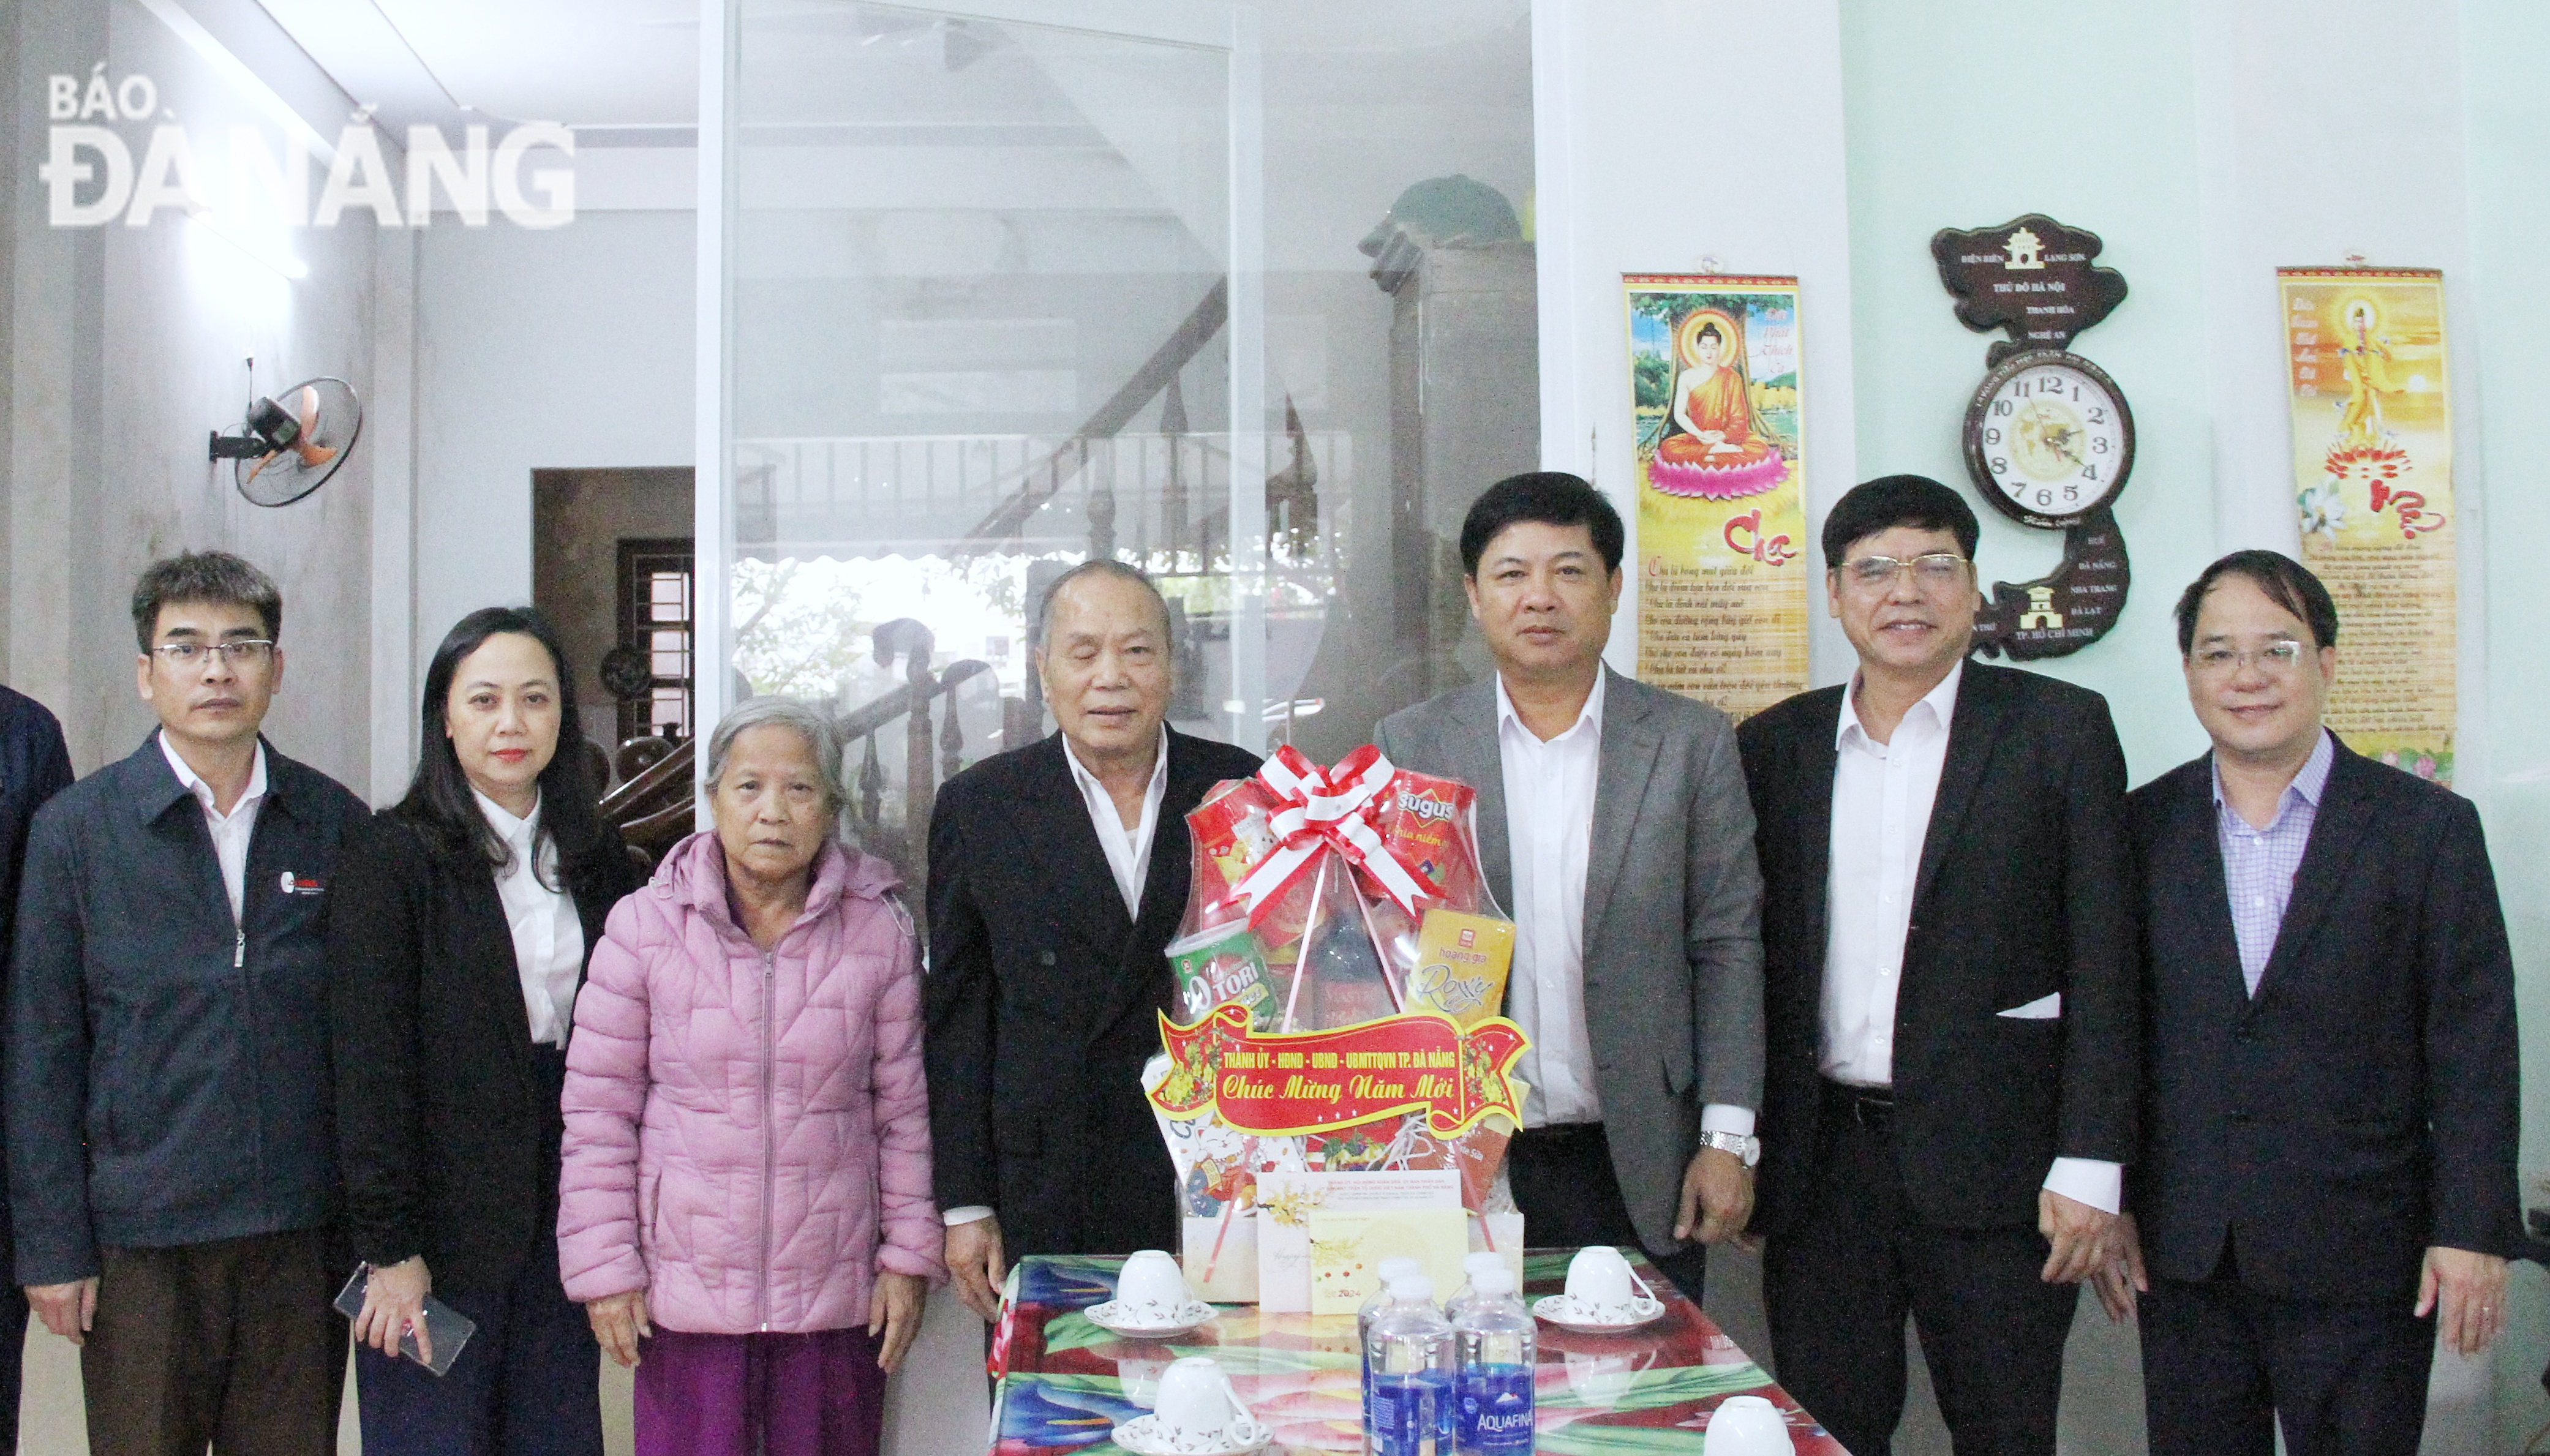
(1948, 981)
(2329, 1172)
(170, 1163)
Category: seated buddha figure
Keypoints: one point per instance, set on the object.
(1712, 421)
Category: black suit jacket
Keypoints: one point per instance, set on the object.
(34, 765)
(448, 1137)
(2363, 1105)
(2023, 891)
(1041, 993)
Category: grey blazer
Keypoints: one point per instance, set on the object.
(1673, 945)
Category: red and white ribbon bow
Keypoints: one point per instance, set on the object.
(1326, 808)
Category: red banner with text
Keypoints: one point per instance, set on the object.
(1286, 1083)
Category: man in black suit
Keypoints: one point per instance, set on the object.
(1057, 876)
(1948, 979)
(34, 765)
(2331, 1166)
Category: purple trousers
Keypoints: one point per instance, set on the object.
(760, 1395)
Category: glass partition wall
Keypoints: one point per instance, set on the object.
(1241, 295)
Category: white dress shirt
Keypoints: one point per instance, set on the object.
(1128, 858)
(548, 939)
(1882, 797)
(1129, 851)
(231, 830)
(1549, 831)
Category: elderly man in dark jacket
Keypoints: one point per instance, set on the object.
(170, 1163)
(1058, 873)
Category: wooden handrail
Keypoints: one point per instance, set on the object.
(1189, 340)
(658, 825)
(673, 767)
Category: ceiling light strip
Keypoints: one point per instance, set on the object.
(248, 83)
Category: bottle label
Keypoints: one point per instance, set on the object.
(1413, 1415)
(1495, 1410)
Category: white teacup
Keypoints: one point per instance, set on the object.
(1197, 1401)
(1747, 1425)
(1600, 1284)
(1599, 1379)
(1151, 1281)
(1139, 1379)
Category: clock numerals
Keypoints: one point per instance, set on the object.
(2050, 437)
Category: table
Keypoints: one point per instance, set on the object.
(1065, 1384)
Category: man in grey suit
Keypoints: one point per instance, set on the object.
(1615, 827)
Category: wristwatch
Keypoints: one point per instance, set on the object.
(1748, 1148)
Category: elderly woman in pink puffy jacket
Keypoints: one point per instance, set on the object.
(746, 1209)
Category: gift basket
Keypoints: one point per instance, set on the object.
(1336, 1084)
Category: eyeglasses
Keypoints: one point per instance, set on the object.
(242, 653)
(2277, 659)
(1936, 571)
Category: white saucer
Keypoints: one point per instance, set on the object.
(1144, 1437)
(1148, 1320)
(1563, 1312)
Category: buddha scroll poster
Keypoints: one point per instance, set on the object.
(1722, 560)
(2373, 470)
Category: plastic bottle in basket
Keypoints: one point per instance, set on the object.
(1494, 1351)
(1407, 1363)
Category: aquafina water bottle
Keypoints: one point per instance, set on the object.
(1407, 1363)
(1377, 1301)
(1494, 1347)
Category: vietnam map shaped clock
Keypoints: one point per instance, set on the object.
(2049, 439)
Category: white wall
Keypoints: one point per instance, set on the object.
(2502, 321)
(129, 349)
(565, 349)
(1614, 109)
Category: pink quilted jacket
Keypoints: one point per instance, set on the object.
(747, 1132)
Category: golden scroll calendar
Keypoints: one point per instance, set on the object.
(2373, 470)
(1721, 561)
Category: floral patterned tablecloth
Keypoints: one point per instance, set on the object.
(1065, 1384)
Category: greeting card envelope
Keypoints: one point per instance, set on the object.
(1220, 1257)
(1288, 1200)
(1346, 1250)
(1462, 961)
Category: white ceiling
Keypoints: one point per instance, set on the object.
(887, 94)
(598, 66)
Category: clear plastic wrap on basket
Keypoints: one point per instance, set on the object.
(1330, 898)
(1331, 873)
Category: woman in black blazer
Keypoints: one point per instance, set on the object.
(459, 928)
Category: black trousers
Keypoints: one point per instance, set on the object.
(1839, 1283)
(1570, 1196)
(528, 1382)
(13, 1359)
(2223, 1363)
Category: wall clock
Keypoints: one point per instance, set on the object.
(2049, 439)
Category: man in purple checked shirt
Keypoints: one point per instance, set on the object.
(2328, 1178)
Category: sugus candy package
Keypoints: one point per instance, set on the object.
(1332, 871)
